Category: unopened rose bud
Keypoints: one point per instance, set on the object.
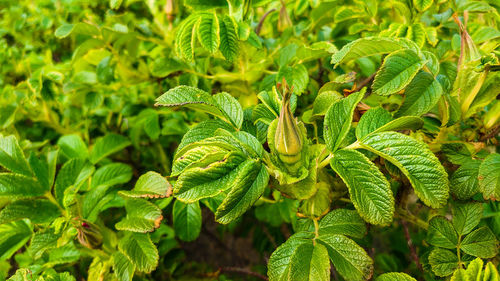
(288, 140)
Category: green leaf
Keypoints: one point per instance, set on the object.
(246, 190)
(371, 120)
(123, 267)
(457, 153)
(203, 130)
(379, 120)
(490, 272)
(443, 262)
(319, 203)
(416, 161)
(365, 47)
(64, 254)
(12, 157)
(228, 38)
(299, 259)
(111, 174)
(202, 182)
(72, 146)
(349, 259)
(140, 251)
(432, 62)
(191, 97)
(197, 156)
(422, 5)
(22, 274)
(466, 217)
(369, 190)
(416, 33)
(397, 71)
(187, 220)
(64, 276)
(395, 276)
(41, 242)
(108, 145)
(115, 4)
(441, 233)
(342, 221)
(73, 173)
(205, 4)
(464, 183)
(474, 269)
(208, 32)
(347, 13)
(338, 120)
(489, 177)
(19, 186)
(480, 243)
(221, 105)
(230, 108)
(421, 95)
(142, 216)
(163, 67)
(296, 76)
(40, 170)
(323, 102)
(14, 236)
(150, 185)
(185, 38)
(38, 211)
(460, 275)
(63, 30)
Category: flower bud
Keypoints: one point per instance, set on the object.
(288, 139)
(89, 234)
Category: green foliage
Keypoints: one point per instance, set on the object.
(228, 140)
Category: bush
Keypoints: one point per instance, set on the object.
(234, 140)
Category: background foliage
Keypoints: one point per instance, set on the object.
(396, 171)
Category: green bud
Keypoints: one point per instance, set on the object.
(288, 139)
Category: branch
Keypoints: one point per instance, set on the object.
(262, 19)
(243, 271)
(413, 252)
(490, 135)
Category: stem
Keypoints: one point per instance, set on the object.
(403, 214)
(243, 271)
(316, 228)
(51, 198)
(325, 162)
(413, 251)
(262, 19)
(267, 200)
